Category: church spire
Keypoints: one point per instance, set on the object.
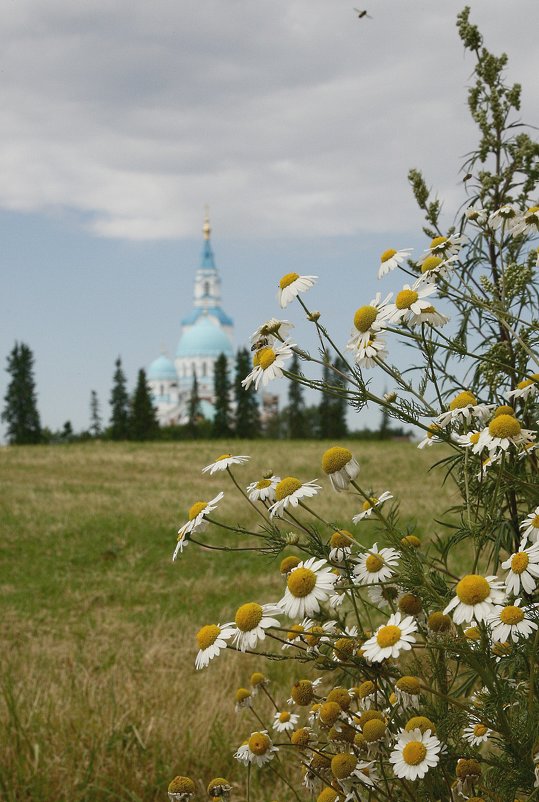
(206, 228)
(207, 261)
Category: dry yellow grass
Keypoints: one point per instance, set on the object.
(99, 697)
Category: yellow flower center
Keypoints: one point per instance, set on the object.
(223, 456)
(369, 503)
(472, 633)
(365, 317)
(409, 685)
(405, 298)
(365, 689)
(341, 696)
(527, 382)
(519, 562)
(473, 589)
(414, 753)
(257, 678)
(182, 785)
(388, 636)
(504, 426)
(341, 539)
(313, 635)
(410, 604)
(206, 636)
(327, 794)
(259, 743)
(343, 765)
(196, 509)
(531, 214)
(242, 694)
(468, 768)
(248, 616)
(262, 484)
(288, 279)
(215, 785)
(300, 737)
(479, 730)
(373, 730)
(411, 540)
(438, 622)
(428, 310)
(535, 522)
(504, 409)
(511, 615)
(286, 487)
(431, 263)
(374, 563)
(389, 254)
(462, 400)
(295, 630)
(301, 582)
(329, 713)
(287, 563)
(420, 723)
(474, 438)
(265, 357)
(335, 459)
(344, 648)
(284, 716)
(302, 692)
(437, 242)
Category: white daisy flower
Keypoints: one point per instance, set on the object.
(251, 621)
(526, 223)
(475, 598)
(502, 432)
(370, 504)
(291, 285)
(196, 523)
(523, 570)
(211, 641)
(366, 354)
(284, 721)
(503, 216)
(347, 770)
(308, 584)
(464, 407)
(433, 267)
(244, 699)
(289, 492)
(368, 320)
(268, 363)
(266, 334)
(487, 463)
(468, 440)
(181, 789)
(530, 525)
(476, 733)
(390, 639)
(258, 749)
(391, 259)
(341, 542)
(445, 246)
(431, 436)
(408, 691)
(429, 315)
(376, 565)
(341, 467)
(510, 623)
(411, 300)
(477, 216)
(336, 600)
(223, 462)
(383, 595)
(414, 754)
(264, 489)
(525, 388)
(258, 681)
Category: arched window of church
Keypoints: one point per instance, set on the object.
(206, 288)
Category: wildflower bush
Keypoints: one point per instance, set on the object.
(415, 661)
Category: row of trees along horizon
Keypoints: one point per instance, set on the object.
(133, 416)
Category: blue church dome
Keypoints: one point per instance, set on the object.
(204, 339)
(162, 369)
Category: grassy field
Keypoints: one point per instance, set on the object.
(99, 699)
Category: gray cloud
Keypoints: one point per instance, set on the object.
(290, 118)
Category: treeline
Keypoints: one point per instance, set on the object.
(237, 412)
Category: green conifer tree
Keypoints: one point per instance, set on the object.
(194, 410)
(324, 408)
(339, 405)
(142, 418)
(247, 416)
(119, 401)
(297, 424)
(221, 426)
(20, 411)
(95, 417)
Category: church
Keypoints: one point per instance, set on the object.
(206, 333)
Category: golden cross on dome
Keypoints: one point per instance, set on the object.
(206, 229)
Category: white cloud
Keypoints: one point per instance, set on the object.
(288, 117)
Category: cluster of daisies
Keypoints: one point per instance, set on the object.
(384, 716)
(183, 789)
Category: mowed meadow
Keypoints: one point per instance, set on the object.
(99, 698)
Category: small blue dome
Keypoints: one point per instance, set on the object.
(204, 339)
(162, 369)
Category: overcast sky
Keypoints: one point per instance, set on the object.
(295, 120)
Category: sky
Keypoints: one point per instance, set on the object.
(294, 120)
